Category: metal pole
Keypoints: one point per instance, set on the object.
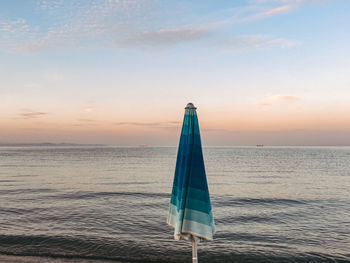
(194, 251)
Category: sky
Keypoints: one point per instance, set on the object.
(272, 72)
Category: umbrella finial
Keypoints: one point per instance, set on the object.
(190, 106)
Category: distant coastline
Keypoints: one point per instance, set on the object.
(63, 144)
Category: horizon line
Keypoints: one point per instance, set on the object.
(48, 144)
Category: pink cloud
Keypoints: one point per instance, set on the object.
(268, 13)
(276, 99)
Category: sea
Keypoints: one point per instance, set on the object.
(109, 204)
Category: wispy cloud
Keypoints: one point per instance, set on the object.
(44, 79)
(256, 42)
(52, 76)
(134, 24)
(15, 32)
(291, 1)
(267, 13)
(49, 6)
(14, 27)
(165, 37)
(167, 124)
(86, 120)
(88, 109)
(90, 106)
(277, 99)
(235, 43)
(147, 124)
(28, 114)
(33, 85)
(77, 23)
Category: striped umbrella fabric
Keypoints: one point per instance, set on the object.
(190, 211)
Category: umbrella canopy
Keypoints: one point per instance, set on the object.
(190, 211)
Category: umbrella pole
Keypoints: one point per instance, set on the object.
(194, 251)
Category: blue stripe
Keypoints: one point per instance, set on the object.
(194, 193)
(199, 202)
(192, 215)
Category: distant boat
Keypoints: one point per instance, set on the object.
(143, 145)
(259, 145)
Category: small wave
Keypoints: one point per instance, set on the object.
(258, 182)
(25, 175)
(87, 248)
(7, 154)
(87, 195)
(170, 255)
(267, 176)
(48, 257)
(269, 239)
(264, 171)
(127, 183)
(27, 165)
(8, 181)
(248, 220)
(224, 201)
(27, 191)
(21, 211)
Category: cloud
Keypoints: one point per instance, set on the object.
(33, 85)
(164, 125)
(14, 27)
(86, 120)
(49, 6)
(75, 24)
(292, 1)
(277, 99)
(48, 77)
(15, 32)
(168, 38)
(256, 42)
(90, 106)
(138, 123)
(279, 42)
(268, 13)
(31, 114)
(129, 24)
(165, 37)
(211, 33)
(52, 76)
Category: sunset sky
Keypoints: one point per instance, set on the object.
(273, 72)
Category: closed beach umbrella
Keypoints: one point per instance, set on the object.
(190, 211)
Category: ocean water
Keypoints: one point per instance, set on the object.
(109, 204)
